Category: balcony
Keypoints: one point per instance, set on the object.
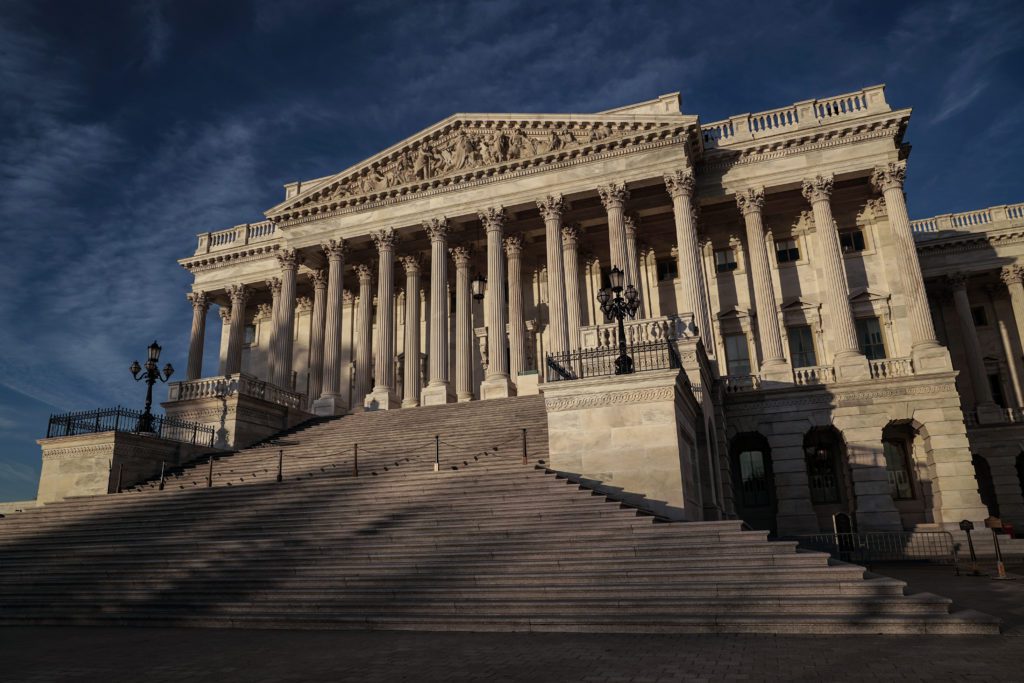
(813, 375)
(239, 384)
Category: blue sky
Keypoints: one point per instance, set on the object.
(127, 127)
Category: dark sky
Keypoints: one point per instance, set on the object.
(128, 127)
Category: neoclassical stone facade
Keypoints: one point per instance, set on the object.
(835, 357)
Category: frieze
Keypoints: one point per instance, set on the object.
(756, 402)
(611, 398)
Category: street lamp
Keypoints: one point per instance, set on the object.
(618, 308)
(478, 284)
(151, 374)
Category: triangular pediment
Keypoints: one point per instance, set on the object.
(465, 147)
(733, 313)
(799, 304)
(863, 294)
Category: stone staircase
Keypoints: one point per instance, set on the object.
(484, 544)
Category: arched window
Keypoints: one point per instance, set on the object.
(753, 483)
(823, 457)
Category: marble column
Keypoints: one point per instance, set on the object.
(364, 334)
(200, 305)
(496, 382)
(1004, 337)
(330, 400)
(463, 326)
(571, 254)
(631, 224)
(691, 292)
(614, 197)
(773, 361)
(928, 354)
(383, 396)
(239, 294)
(289, 261)
(225, 337)
(316, 336)
(850, 364)
(1013, 278)
(988, 411)
(274, 285)
(516, 313)
(551, 210)
(411, 370)
(438, 390)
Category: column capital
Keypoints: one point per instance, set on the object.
(613, 195)
(461, 256)
(570, 236)
(1012, 275)
(680, 183)
(889, 176)
(493, 218)
(437, 228)
(383, 239)
(225, 314)
(200, 301)
(336, 250)
(348, 296)
(319, 278)
(274, 285)
(818, 188)
(750, 200)
(239, 294)
(551, 207)
(289, 259)
(957, 281)
(411, 263)
(631, 221)
(364, 272)
(514, 245)
(264, 311)
(304, 303)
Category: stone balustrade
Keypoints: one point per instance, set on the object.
(886, 368)
(606, 335)
(239, 383)
(802, 115)
(814, 374)
(737, 383)
(240, 235)
(979, 220)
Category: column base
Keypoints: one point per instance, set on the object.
(437, 395)
(383, 398)
(329, 405)
(990, 413)
(776, 371)
(498, 386)
(464, 398)
(930, 357)
(851, 366)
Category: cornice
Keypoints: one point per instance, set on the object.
(213, 260)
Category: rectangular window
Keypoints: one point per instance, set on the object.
(250, 335)
(851, 241)
(668, 269)
(786, 251)
(869, 335)
(725, 260)
(996, 387)
(896, 466)
(801, 346)
(737, 354)
(979, 315)
(754, 478)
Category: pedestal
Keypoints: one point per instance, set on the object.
(437, 395)
(851, 366)
(990, 414)
(496, 387)
(776, 372)
(930, 357)
(329, 405)
(382, 399)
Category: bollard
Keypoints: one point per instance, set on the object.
(967, 526)
(120, 471)
(163, 463)
(209, 474)
(995, 524)
(524, 446)
(280, 466)
(355, 461)
(437, 452)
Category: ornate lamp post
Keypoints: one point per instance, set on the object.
(151, 374)
(618, 308)
(478, 284)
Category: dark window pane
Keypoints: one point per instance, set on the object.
(737, 355)
(869, 335)
(801, 346)
(725, 260)
(786, 251)
(754, 479)
(979, 315)
(896, 465)
(851, 240)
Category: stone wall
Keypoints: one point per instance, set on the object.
(239, 420)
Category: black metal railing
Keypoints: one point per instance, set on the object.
(652, 355)
(884, 546)
(127, 420)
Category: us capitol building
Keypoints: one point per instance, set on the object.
(838, 358)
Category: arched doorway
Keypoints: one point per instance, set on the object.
(827, 478)
(986, 486)
(753, 481)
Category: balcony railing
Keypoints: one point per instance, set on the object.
(606, 335)
(240, 235)
(814, 374)
(886, 368)
(979, 220)
(238, 384)
(737, 383)
(654, 355)
(128, 421)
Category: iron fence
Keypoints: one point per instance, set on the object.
(885, 546)
(661, 354)
(127, 420)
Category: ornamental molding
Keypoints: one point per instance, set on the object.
(220, 259)
(756, 403)
(611, 398)
(461, 153)
(972, 242)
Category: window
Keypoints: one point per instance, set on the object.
(786, 251)
(250, 335)
(851, 241)
(996, 387)
(896, 461)
(979, 316)
(725, 260)
(801, 346)
(869, 335)
(754, 483)
(668, 269)
(822, 474)
(737, 354)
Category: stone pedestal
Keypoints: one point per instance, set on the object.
(930, 357)
(496, 386)
(851, 366)
(330, 405)
(437, 395)
(990, 414)
(382, 398)
(528, 383)
(633, 436)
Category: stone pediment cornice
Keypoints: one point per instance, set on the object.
(203, 262)
(467, 149)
